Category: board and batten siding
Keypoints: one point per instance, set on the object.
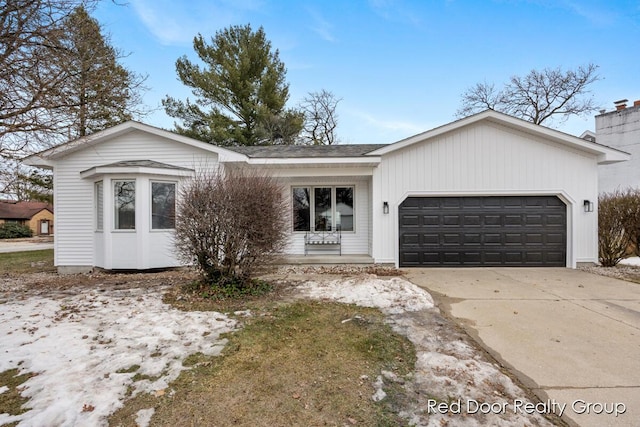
(353, 243)
(488, 159)
(74, 196)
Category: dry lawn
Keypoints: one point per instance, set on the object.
(26, 262)
(302, 363)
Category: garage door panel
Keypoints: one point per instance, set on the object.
(431, 239)
(409, 239)
(513, 239)
(452, 239)
(451, 203)
(555, 257)
(409, 220)
(511, 220)
(431, 220)
(532, 220)
(533, 239)
(493, 220)
(556, 219)
(556, 239)
(473, 220)
(492, 239)
(472, 239)
(483, 231)
(451, 220)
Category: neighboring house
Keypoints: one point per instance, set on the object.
(38, 216)
(486, 190)
(620, 129)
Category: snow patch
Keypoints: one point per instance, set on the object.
(391, 296)
(3, 389)
(633, 261)
(143, 417)
(86, 349)
(379, 394)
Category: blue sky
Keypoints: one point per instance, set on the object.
(399, 66)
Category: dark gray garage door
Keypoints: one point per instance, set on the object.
(483, 231)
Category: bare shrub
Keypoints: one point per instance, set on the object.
(632, 218)
(230, 222)
(613, 239)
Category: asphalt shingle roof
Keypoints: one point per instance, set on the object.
(300, 151)
(21, 210)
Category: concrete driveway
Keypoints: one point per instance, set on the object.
(571, 336)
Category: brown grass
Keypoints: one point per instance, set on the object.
(26, 262)
(11, 402)
(304, 363)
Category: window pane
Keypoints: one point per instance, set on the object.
(99, 206)
(125, 205)
(322, 206)
(301, 209)
(163, 205)
(344, 208)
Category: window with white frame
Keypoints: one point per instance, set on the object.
(163, 205)
(99, 205)
(323, 208)
(124, 193)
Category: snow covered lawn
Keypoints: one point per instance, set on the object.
(87, 348)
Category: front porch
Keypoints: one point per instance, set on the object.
(326, 259)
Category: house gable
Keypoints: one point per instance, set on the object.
(603, 154)
(128, 131)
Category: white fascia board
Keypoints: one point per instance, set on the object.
(41, 162)
(319, 161)
(604, 154)
(615, 156)
(288, 172)
(139, 170)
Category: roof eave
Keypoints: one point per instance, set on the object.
(310, 161)
(38, 161)
(123, 170)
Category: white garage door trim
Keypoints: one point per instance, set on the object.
(568, 200)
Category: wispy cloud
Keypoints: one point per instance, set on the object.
(175, 23)
(321, 26)
(592, 13)
(396, 126)
(596, 13)
(395, 11)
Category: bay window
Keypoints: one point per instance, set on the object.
(163, 205)
(99, 205)
(124, 205)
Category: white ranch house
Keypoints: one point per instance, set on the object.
(487, 190)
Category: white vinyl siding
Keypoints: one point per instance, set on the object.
(486, 159)
(73, 196)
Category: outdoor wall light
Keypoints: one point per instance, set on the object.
(385, 207)
(588, 206)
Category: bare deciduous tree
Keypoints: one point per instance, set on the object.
(30, 33)
(230, 222)
(540, 96)
(59, 79)
(321, 119)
